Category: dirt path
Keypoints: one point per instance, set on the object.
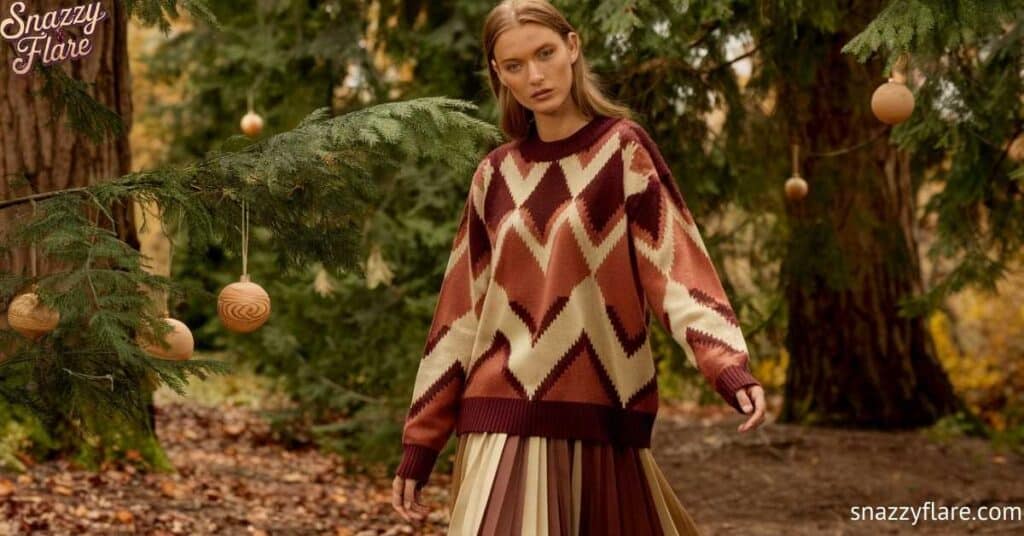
(794, 480)
(782, 480)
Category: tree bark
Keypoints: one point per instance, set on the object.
(43, 148)
(853, 359)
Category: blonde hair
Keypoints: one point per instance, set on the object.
(586, 91)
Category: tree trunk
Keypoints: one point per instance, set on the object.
(42, 147)
(853, 359)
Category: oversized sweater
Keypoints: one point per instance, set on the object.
(541, 327)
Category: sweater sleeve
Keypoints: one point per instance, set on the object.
(678, 278)
(442, 368)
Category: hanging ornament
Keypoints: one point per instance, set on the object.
(796, 186)
(252, 123)
(243, 306)
(30, 317)
(179, 340)
(1016, 150)
(892, 102)
(26, 314)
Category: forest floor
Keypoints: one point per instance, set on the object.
(233, 478)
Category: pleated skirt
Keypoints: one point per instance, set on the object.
(509, 485)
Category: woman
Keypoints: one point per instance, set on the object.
(538, 355)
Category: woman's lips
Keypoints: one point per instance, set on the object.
(543, 94)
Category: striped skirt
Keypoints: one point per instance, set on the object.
(508, 485)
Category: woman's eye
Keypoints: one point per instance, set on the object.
(513, 67)
(547, 52)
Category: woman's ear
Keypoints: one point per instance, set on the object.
(496, 71)
(574, 47)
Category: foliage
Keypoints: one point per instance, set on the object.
(343, 348)
(967, 57)
(309, 187)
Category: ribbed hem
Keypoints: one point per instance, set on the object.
(556, 419)
(417, 463)
(730, 380)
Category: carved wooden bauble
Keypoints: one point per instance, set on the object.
(892, 102)
(243, 306)
(252, 124)
(30, 317)
(796, 188)
(179, 339)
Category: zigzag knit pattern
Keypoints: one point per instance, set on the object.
(562, 251)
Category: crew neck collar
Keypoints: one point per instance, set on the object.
(535, 149)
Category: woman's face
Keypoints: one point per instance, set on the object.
(531, 58)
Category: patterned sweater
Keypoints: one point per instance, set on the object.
(563, 250)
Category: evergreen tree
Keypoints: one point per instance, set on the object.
(310, 187)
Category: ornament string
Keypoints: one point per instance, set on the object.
(796, 160)
(92, 376)
(245, 238)
(32, 248)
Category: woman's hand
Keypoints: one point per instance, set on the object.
(405, 497)
(757, 405)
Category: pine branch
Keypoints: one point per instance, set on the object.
(85, 114)
(158, 12)
(310, 187)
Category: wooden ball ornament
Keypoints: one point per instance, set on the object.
(796, 188)
(30, 317)
(252, 124)
(892, 102)
(179, 339)
(243, 306)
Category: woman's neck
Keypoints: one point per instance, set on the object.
(562, 125)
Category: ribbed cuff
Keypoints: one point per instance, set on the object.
(730, 380)
(417, 463)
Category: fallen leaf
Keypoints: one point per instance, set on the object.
(234, 428)
(63, 490)
(294, 477)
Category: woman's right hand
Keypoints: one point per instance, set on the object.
(405, 497)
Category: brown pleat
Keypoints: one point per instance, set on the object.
(590, 468)
(504, 514)
(610, 502)
(460, 453)
(559, 488)
(639, 515)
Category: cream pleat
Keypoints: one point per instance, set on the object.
(536, 473)
(674, 519)
(477, 463)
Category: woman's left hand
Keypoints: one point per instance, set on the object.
(751, 398)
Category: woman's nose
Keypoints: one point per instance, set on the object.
(534, 71)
